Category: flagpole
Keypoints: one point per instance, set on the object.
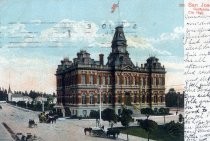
(119, 12)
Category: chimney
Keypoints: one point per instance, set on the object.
(101, 59)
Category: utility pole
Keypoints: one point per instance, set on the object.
(42, 104)
(140, 94)
(100, 108)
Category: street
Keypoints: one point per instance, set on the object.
(63, 130)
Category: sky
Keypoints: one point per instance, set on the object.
(35, 35)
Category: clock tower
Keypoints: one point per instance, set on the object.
(119, 55)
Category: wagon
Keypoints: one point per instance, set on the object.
(99, 132)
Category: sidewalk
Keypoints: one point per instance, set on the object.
(123, 137)
(4, 134)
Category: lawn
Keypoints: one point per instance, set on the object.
(160, 134)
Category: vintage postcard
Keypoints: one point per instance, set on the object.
(74, 70)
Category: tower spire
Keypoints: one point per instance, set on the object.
(119, 55)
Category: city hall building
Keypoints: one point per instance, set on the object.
(120, 83)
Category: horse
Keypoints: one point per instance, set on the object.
(51, 119)
(88, 130)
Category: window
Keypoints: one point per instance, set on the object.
(108, 80)
(160, 81)
(136, 81)
(157, 81)
(109, 98)
(144, 81)
(148, 98)
(135, 98)
(143, 99)
(83, 99)
(98, 80)
(91, 99)
(84, 113)
(83, 79)
(120, 98)
(103, 80)
(73, 99)
(125, 81)
(98, 99)
(104, 98)
(117, 80)
(155, 99)
(91, 79)
(154, 81)
(161, 98)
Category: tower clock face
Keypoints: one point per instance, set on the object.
(121, 35)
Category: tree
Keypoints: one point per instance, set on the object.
(109, 115)
(149, 126)
(126, 118)
(147, 112)
(181, 118)
(175, 130)
(94, 114)
(171, 98)
(164, 112)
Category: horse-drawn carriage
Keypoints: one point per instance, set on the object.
(27, 137)
(47, 118)
(100, 132)
(31, 123)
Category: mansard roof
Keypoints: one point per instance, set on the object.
(118, 59)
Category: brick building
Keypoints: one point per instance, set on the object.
(121, 82)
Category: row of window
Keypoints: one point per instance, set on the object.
(103, 80)
(106, 80)
(108, 99)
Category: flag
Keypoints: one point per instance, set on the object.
(114, 7)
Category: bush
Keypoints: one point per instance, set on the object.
(94, 114)
(175, 129)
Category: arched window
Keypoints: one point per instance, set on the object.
(91, 99)
(83, 99)
(155, 99)
(119, 98)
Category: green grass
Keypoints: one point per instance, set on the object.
(160, 134)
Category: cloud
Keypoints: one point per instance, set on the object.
(175, 80)
(174, 66)
(14, 29)
(176, 34)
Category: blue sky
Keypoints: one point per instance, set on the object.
(35, 36)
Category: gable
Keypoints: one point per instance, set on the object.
(128, 67)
